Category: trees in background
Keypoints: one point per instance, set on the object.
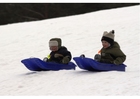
(21, 12)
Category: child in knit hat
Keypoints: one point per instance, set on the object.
(110, 52)
(58, 54)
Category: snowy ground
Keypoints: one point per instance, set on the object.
(80, 34)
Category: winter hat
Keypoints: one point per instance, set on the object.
(55, 42)
(109, 37)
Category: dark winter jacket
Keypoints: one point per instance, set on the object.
(113, 54)
(63, 51)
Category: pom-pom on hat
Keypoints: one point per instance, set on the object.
(109, 37)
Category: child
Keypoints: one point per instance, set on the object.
(59, 54)
(110, 52)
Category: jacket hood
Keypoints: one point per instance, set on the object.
(62, 48)
(116, 45)
(58, 40)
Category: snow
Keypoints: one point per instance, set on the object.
(80, 34)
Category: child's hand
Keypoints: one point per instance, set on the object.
(45, 59)
(97, 57)
(58, 55)
(65, 60)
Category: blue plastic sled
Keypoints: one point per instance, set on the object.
(92, 65)
(36, 64)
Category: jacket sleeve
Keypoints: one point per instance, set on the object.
(120, 57)
(67, 53)
(107, 59)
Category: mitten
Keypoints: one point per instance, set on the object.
(116, 62)
(45, 59)
(97, 57)
(65, 60)
(58, 55)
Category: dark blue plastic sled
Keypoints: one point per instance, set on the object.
(92, 65)
(36, 64)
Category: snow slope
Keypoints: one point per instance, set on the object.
(80, 34)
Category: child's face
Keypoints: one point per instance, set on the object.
(54, 48)
(105, 44)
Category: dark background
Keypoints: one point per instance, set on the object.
(21, 12)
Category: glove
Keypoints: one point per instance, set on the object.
(58, 55)
(97, 57)
(65, 60)
(45, 59)
(116, 62)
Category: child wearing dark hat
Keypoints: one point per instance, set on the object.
(110, 52)
(58, 54)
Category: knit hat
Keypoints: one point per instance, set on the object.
(109, 37)
(55, 42)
